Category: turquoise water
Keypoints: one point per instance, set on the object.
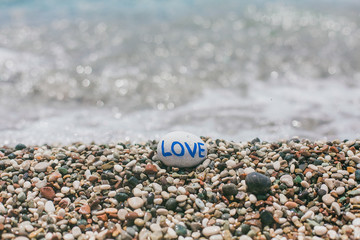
(105, 71)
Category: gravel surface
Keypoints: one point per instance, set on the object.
(293, 189)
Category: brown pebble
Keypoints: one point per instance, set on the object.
(131, 216)
(102, 217)
(111, 210)
(85, 209)
(350, 169)
(291, 205)
(47, 192)
(54, 176)
(151, 169)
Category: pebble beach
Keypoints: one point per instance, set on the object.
(294, 189)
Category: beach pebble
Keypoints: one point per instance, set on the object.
(288, 180)
(229, 189)
(328, 199)
(340, 190)
(76, 231)
(257, 183)
(320, 230)
(356, 222)
(41, 166)
(49, 207)
(135, 202)
(332, 234)
(181, 149)
(68, 236)
(209, 231)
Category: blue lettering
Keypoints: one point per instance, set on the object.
(200, 149)
(182, 149)
(165, 154)
(192, 153)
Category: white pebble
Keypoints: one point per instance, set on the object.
(49, 207)
(65, 190)
(320, 230)
(209, 231)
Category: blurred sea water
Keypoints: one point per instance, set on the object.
(105, 71)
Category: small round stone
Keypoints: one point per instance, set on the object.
(209, 231)
(229, 189)
(180, 230)
(20, 146)
(171, 204)
(257, 183)
(266, 218)
(181, 149)
(320, 230)
(328, 199)
(135, 202)
(288, 180)
(181, 198)
(41, 167)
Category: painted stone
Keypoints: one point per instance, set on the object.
(181, 149)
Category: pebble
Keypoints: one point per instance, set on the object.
(181, 198)
(230, 189)
(181, 149)
(135, 202)
(288, 180)
(320, 230)
(257, 183)
(49, 207)
(68, 236)
(209, 231)
(340, 190)
(65, 190)
(328, 199)
(41, 166)
(76, 231)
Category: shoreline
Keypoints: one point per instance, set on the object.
(121, 191)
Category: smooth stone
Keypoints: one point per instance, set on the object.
(288, 180)
(181, 198)
(20, 146)
(257, 183)
(356, 222)
(181, 149)
(65, 190)
(320, 230)
(21, 238)
(328, 199)
(135, 202)
(199, 203)
(340, 190)
(49, 207)
(209, 231)
(68, 236)
(76, 184)
(357, 175)
(336, 207)
(47, 192)
(41, 166)
(180, 230)
(22, 197)
(62, 170)
(171, 204)
(266, 218)
(76, 231)
(171, 233)
(229, 189)
(121, 197)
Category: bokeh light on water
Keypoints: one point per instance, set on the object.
(103, 71)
